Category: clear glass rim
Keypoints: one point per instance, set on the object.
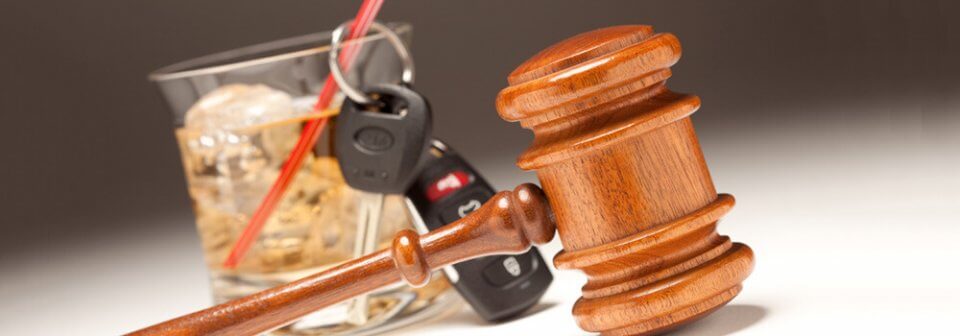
(220, 62)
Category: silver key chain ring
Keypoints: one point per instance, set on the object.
(406, 77)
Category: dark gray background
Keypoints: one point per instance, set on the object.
(88, 147)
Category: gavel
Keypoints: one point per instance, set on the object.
(624, 183)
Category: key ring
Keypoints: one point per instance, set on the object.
(406, 77)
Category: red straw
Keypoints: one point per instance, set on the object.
(311, 132)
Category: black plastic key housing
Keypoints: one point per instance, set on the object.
(380, 147)
(497, 287)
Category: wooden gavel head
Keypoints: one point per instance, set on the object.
(619, 161)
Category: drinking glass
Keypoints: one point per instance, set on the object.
(314, 226)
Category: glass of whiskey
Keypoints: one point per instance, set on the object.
(237, 116)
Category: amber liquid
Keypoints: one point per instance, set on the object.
(314, 225)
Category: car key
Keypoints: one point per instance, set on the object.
(497, 287)
(370, 209)
(379, 147)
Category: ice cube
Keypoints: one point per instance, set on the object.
(238, 137)
(238, 106)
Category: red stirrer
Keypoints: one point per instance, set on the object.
(308, 137)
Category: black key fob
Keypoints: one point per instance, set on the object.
(497, 287)
(380, 146)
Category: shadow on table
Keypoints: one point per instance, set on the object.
(725, 321)
(467, 318)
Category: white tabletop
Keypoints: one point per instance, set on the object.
(847, 242)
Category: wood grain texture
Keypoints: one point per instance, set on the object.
(631, 195)
(619, 159)
(508, 223)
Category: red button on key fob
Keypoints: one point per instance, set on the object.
(447, 184)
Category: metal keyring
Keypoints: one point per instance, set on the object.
(406, 77)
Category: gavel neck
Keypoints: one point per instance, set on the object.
(508, 223)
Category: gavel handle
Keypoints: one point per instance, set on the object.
(507, 223)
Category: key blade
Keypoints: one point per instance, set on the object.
(368, 222)
(368, 228)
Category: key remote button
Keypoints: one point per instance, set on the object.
(506, 269)
(464, 206)
(447, 184)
